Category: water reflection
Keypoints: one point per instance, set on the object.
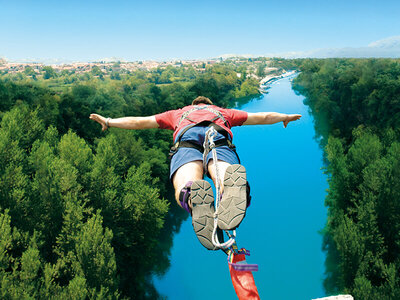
(173, 221)
(332, 282)
(240, 102)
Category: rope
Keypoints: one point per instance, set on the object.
(209, 144)
(229, 247)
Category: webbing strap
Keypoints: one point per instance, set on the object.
(195, 145)
(205, 107)
(206, 123)
(241, 266)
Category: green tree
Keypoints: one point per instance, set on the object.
(260, 72)
(96, 71)
(29, 71)
(49, 73)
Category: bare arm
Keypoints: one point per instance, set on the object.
(262, 118)
(126, 122)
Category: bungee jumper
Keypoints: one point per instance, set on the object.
(192, 158)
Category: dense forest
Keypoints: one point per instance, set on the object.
(356, 106)
(90, 214)
(83, 213)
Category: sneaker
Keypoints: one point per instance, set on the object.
(232, 207)
(202, 198)
(248, 196)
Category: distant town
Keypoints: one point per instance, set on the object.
(107, 66)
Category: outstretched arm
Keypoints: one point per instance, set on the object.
(126, 122)
(262, 118)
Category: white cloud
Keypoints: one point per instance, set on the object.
(388, 47)
(392, 42)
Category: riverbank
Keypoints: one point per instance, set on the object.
(267, 80)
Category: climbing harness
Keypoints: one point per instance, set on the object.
(241, 272)
(218, 114)
(193, 144)
(206, 123)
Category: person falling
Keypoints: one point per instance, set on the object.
(192, 193)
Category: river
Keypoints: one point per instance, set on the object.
(282, 225)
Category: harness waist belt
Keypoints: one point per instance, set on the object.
(193, 144)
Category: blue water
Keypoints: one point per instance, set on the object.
(281, 226)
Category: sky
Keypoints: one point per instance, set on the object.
(88, 30)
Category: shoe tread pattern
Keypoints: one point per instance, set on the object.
(232, 207)
(202, 198)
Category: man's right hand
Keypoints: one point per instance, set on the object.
(99, 119)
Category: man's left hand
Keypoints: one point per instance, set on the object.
(291, 118)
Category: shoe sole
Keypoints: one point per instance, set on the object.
(202, 197)
(232, 207)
